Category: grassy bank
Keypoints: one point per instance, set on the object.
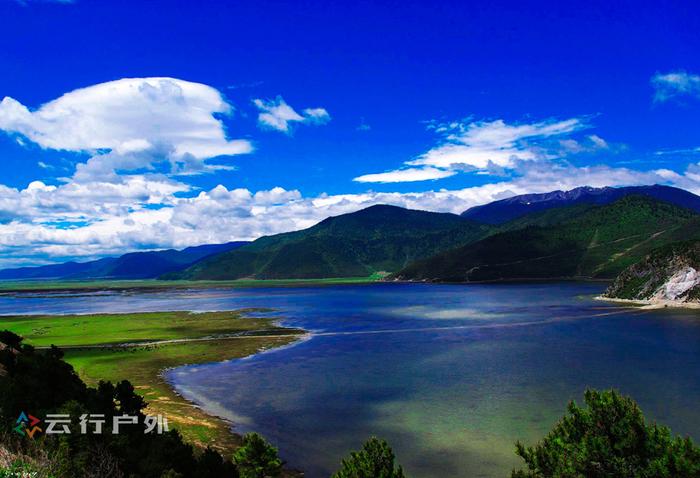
(85, 285)
(94, 348)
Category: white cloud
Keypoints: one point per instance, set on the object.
(590, 144)
(676, 84)
(138, 120)
(484, 146)
(598, 142)
(278, 115)
(86, 221)
(86, 202)
(406, 175)
(144, 136)
(317, 115)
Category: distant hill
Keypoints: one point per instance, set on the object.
(577, 241)
(379, 238)
(669, 273)
(135, 265)
(505, 210)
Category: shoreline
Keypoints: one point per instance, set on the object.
(199, 426)
(228, 421)
(651, 304)
(155, 285)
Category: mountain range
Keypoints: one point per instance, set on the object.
(582, 233)
(585, 233)
(586, 241)
(134, 265)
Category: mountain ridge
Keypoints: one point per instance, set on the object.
(375, 239)
(132, 265)
(509, 209)
(599, 243)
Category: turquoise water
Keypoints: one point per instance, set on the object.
(450, 375)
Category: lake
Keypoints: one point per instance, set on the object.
(450, 375)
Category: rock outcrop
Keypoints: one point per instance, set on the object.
(668, 274)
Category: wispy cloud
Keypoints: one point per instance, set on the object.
(491, 147)
(678, 152)
(406, 175)
(675, 85)
(276, 114)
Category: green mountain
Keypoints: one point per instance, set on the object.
(669, 273)
(584, 241)
(376, 239)
(550, 217)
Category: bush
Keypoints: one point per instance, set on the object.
(375, 460)
(256, 458)
(609, 438)
(20, 469)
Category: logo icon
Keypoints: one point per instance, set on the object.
(27, 425)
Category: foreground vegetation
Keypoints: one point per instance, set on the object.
(42, 382)
(609, 438)
(374, 460)
(160, 340)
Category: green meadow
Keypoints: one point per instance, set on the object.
(94, 345)
(145, 284)
(112, 329)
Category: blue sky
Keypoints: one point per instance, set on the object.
(199, 122)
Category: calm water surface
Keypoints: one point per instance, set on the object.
(450, 375)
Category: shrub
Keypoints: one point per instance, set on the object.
(374, 460)
(256, 458)
(609, 438)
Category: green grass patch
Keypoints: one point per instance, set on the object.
(91, 346)
(98, 329)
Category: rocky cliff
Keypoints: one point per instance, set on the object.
(668, 274)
